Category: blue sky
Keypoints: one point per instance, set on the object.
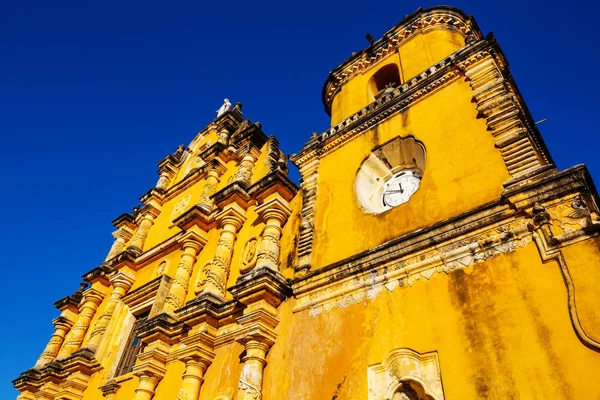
(93, 94)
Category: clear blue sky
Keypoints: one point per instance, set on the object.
(93, 94)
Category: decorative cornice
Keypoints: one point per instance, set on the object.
(236, 193)
(417, 22)
(275, 182)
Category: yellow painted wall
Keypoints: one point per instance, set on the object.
(501, 330)
(412, 57)
(463, 169)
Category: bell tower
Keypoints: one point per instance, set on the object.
(427, 123)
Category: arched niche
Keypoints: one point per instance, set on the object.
(386, 77)
(398, 156)
(405, 374)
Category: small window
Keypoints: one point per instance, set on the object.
(133, 348)
(388, 77)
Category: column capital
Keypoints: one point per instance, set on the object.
(123, 233)
(123, 278)
(275, 208)
(192, 239)
(94, 296)
(62, 322)
(233, 215)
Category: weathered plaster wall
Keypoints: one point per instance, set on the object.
(463, 169)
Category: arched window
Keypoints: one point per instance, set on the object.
(387, 77)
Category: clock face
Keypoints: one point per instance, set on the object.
(399, 188)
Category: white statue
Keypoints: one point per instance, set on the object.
(225, 107)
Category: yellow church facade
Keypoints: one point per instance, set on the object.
(432, 250)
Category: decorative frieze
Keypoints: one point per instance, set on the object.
(91, 300)
(213, 277)
(404, 272)
(191, 244)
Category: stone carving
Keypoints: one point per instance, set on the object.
(224, 108)
(213, 278)
(404, 272)
(92, 299)
(121, 236)
(191, 244)
(572, 215)
(163, 182)
(309, 173)
(274, 213)
(505, 118)
(122, 283)
(248, 260)
(251, 376)
(161, 268)
(395, 37)
(181, 206)
(406, 374)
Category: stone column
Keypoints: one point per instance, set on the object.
(146, 387)
(91, 300)
(246, 168)
(137, 244)
(213, 278)
(223, 137)
(210, 187)
(121, 237)
(122, 282)
(251, 377)
(274, 213)
(191, 244)
(163, 181)
(61, 328)
(192, 379)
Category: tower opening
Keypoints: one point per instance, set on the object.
(387, 77)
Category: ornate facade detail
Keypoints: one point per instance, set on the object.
(91, 300)
(121, 282)
(251, 377)
(248, 260)
(146, 222)
(191, 245)
(406, 374)
(210, 187)
(121, 236)
(274, 213)
(309, 178)
(404, 272)
(213, 277)
(181, 206)
(416, 23)
(62, 326)
(506, 120)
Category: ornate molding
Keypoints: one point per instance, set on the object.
(421, 20)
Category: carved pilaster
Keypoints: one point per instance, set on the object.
(91, 300)
(505, 118)
(150, 369)
(246, 167)
(274, 213)
(251, 377)
(121, 282)
(121, 237)
(309, 176)
(213, 278)
(192, 243)
(61, 328)
(192, 379)
(210, 187)
(224, 137)
(146, 222)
